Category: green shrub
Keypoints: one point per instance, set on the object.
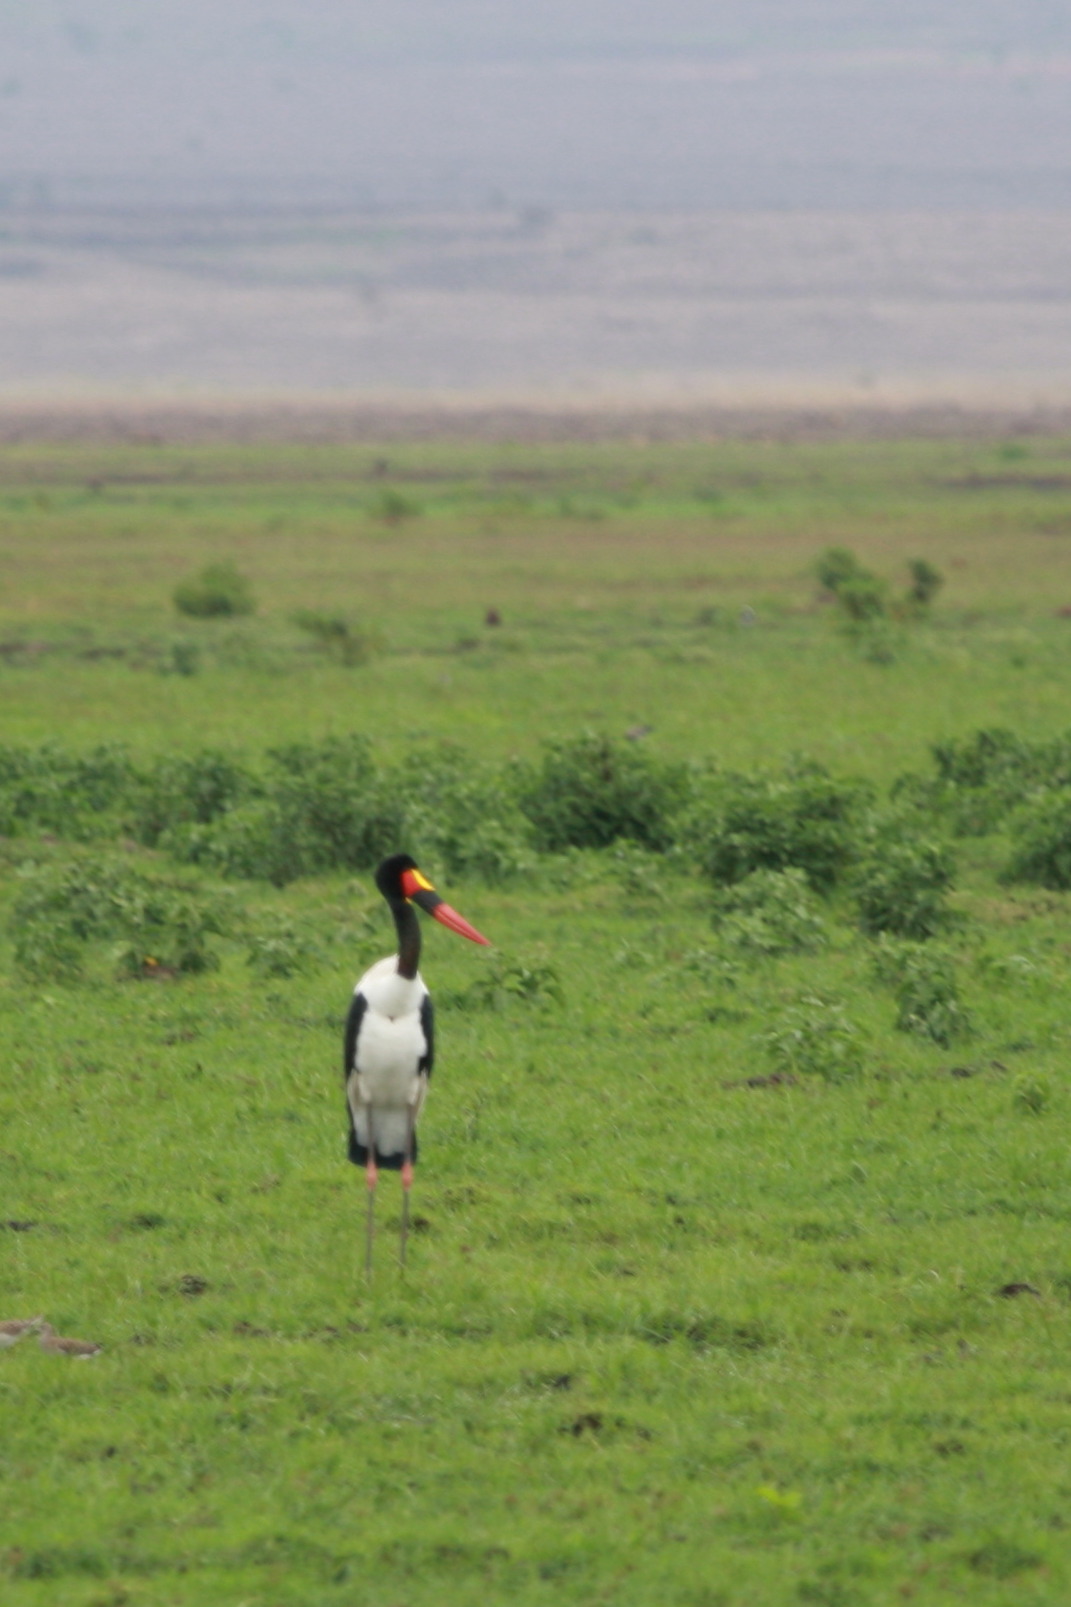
(837, 567)
(591, 791)
(340, 638)
(573, 868)
(994, 756)
(77, 796)
(639, 872)
(215, 592)
(926, 582)
(902, 886)
(860, 595)
(815, 1038)
(253, 841)
(318, 807)
(164, 929)
(280, 949)
(770, 912)
(1041, 839)
(184, 658)
(323, 806)
(924, 981)
(156, 927)
(460, 814)
(530, 982)
(393, 506)
(44, 950)
(982, 778)
(333, 796)
(862, 599)
(176, 792)
(806, 819)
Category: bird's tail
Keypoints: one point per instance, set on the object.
(391, 1160)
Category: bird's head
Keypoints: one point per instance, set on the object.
(401, 880)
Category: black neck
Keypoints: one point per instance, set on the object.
(405, 919)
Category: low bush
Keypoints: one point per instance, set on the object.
(869, 616)
(164, 929)
(156, 927)
(770, 912)
(461, 815)
(251, 841)
(216, 592)
(859, 594)
(927, 991)
(806, 820)
(324, 806)
(175, 792)
(306, 809)
(815, 1038)
(344, 640)
(76, 796)
(640, 873)
(836, 567)
(181, 658)
(862, 597)
(591, 791)
(925, 583)
(1041, 843)
(902, 887)
(530, 982)
(981, 779)
(392, 506)
(280, 949)
(994, 756)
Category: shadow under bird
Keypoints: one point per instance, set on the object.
(390, 1040)
(14, 1330)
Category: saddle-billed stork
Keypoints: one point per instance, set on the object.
(390, 1040)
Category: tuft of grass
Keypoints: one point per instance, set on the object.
(218, 591)
(815, 1037)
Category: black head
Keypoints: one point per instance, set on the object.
(389, 876)
(401, 881)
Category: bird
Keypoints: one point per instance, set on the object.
(50, 1340)
(11, 1332)
(389, 1045)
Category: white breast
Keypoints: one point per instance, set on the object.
(389, 994)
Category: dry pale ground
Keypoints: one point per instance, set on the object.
(362, 324)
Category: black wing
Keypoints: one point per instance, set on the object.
(427, 1024)
(357, 1152)
(353, 1027)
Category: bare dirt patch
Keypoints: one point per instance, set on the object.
(327, 422)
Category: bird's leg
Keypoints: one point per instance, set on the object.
(371, 1178)
(407, 1181)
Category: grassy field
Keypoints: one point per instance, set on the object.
(690, 1318)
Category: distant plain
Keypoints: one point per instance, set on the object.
(614, 308)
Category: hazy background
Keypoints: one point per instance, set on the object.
(563, 196)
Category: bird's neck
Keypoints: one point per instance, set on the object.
(405, 919)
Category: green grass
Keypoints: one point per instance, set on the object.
(673, 1332)
(631, 618)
